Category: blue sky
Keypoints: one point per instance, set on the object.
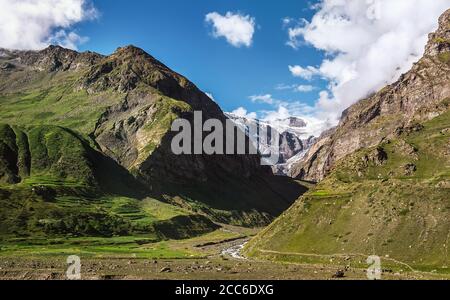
(176, 33)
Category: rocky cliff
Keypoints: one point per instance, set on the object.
(421, 94)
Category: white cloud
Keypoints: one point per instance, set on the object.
(280, 114)
(237, 29)
(266, 99)
(295, 87)
(293, 34)
(282, 87)
(283, 109)
(67, 40)
(305, 73)
(296, 108)
(34, 24)
(304, 88)
(314, 125)
(242, 112)
(368, 44)
(286, 21)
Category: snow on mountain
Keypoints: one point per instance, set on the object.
(294, 140)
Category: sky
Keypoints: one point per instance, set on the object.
(265, 59)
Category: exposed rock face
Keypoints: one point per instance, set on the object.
(419, 95)
(292, 153)
(53, 58)
(290, 131)
(291, 145)
(130, 68)
(295, 122)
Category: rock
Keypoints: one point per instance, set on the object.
(445, 131)
(56, 58)
(339, 274)
(107, 277)
(7, 66)
(291, 144)
(296, 122)
(165, 270)
(409, 169)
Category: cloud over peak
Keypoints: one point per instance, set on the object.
(237, 29)
(34, 24)
(368, 44)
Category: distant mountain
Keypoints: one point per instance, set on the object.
(384, 178)
(87, 137)
(291, 145)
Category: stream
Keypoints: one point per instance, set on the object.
(235, 251)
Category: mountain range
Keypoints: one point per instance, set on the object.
(383, 178)
(291, 132)
(85, 149)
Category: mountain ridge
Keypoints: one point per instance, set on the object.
(426, 80)
(292, 144)
(118, 110)
(383, 179)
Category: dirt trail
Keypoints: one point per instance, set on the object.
(411, 269)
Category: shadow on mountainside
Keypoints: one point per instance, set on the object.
(224, 186)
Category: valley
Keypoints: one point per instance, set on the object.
(383, 178)
(200, 258)
(87, 169)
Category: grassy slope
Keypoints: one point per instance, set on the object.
(367, 207)
(63, 186)
(45, 154)
(56, 185)
(137, 246)
(53, 100)
(29, 215)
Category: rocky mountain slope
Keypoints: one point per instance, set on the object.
(384, 177)
(292, 142)
(418, 96)
(95, 130)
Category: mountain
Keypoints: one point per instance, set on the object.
(384, 178)
(85, 148)
(419, 95)
(292, 142)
